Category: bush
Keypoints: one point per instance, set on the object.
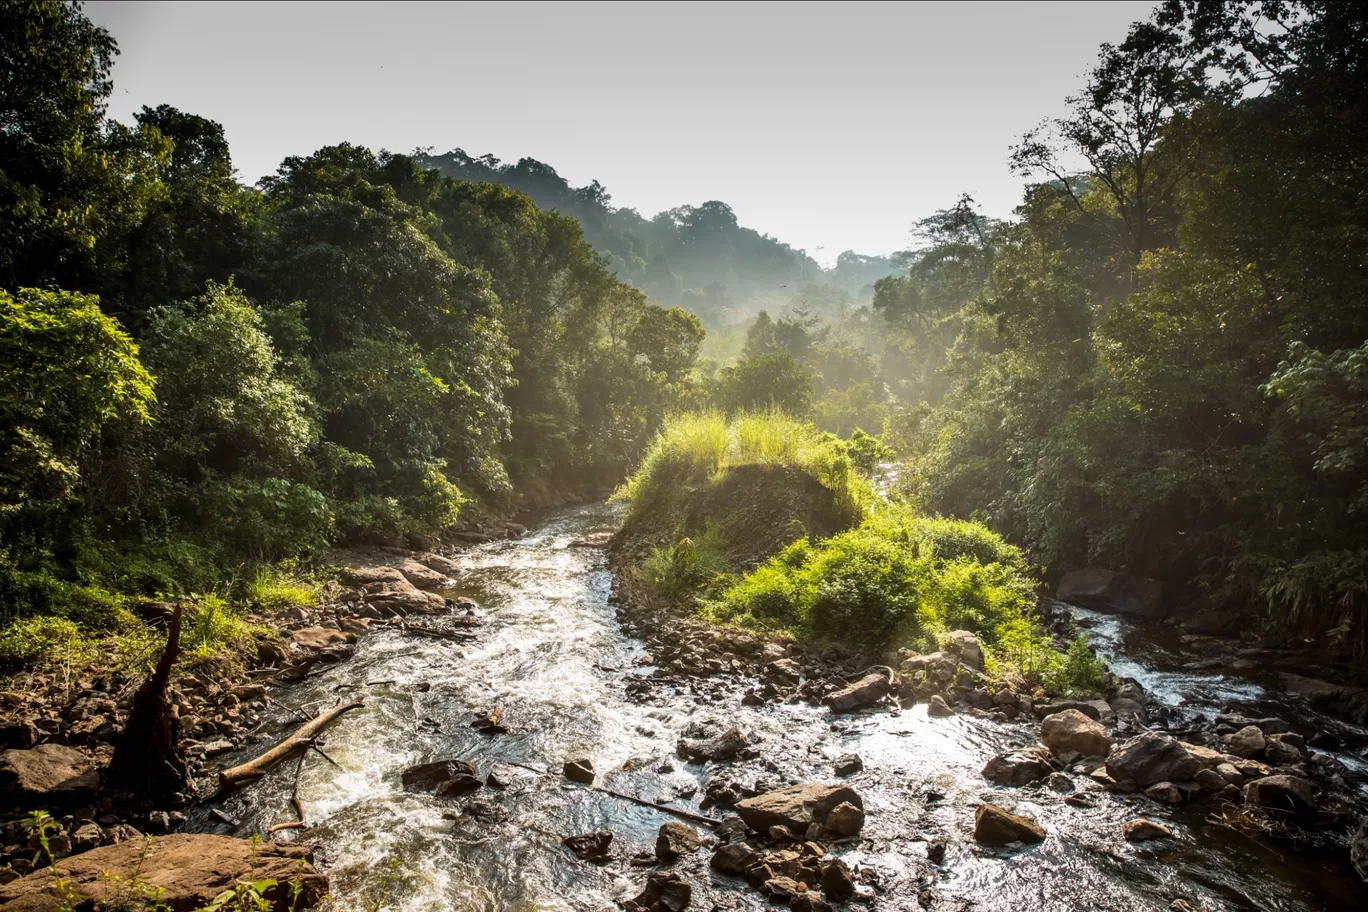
(898, 579)
(25, 642)
(272, 589)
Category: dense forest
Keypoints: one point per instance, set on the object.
(1157, 366)
(698, 257)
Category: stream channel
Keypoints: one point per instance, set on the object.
(550, 650)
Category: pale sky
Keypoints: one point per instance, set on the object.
(830, 126)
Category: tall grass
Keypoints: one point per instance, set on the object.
(694, 447)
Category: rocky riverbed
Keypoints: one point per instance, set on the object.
(529, 741)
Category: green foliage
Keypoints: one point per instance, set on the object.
(67, 371)
(274, 589)
(898, 579)
(683, 569)
(772, 380)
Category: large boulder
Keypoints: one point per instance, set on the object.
(184, 871)
(996, 826)
(49, 776)
(1071, 733)
(796, 806)
(1119, 593)
(965, 645)
(1246, 742)
(1150, 758)
(1288, 794)
(867, 691)
(1018, 767)
(1098, 710)
(676, 839)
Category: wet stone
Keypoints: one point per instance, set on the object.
(579, 771)
(429, 777)
(590, 846)
(848, 765)
(1140, 830)
(999, 827)
(676, 839)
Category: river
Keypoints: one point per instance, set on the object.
(551, 652)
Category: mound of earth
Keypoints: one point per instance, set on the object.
(757, 509)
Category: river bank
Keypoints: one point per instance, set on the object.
(581, 674)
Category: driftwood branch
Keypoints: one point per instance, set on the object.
(301, 738)
(683, 815)
(295, 799)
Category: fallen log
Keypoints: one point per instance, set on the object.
(258, 767)
(295, 799)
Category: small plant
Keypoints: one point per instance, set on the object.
(212, 625)
(1079, 671)
(274, 590)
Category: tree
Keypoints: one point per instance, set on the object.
(67, 372)
(1115, 128)
(71, 185)
(774, 379)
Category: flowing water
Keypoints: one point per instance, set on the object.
(550, 651)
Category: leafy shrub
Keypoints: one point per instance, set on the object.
(897, 579)
(272, 589)
(688, 566)
(25, 642)
(212, 624)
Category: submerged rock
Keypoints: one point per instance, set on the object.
(1018, 767)
(733, 858)
(431, 777)
(997, 826)
(796, 806)
(1140, 830)
(720, 747)
(590, 846)
(664, 892)
(579, 771)
(848, 765)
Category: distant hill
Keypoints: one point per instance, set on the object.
(695, 256)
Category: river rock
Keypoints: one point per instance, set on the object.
(1149, 758)
(1358, 848)
(1229, 773)
(733, 858)
(967, 647)
(796, 806)
(676, 839)
(1097, 710)
(1164, 793)
(1140, 830)
(1246, 742)
(996, 826)
(848, 765)
(837, 883)
(443, 565)
(49, 776)
(809, 902)
(1280, 753)
(186, 871)
(430, 777)
(590, 846)
(720, 747)
(937, 708)
(785, 670)
(867, 691)
(1120, 593)
(1288, 794)
(664, 892)
(422, 576)
(844, 821)
(579, 771)
(1018, 767)
(1072, 733)
(1210, 780)
(321, 637)
(1058, 782)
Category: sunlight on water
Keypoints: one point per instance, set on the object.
(551, 653)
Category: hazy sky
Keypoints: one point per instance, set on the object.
(829, 126)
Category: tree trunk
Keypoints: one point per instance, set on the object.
(146, 758)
